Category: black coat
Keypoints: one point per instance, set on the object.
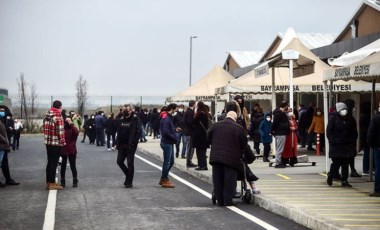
(155, 120)
(280, 126)
(342, 134)
(373, 135)
(178, 120)
(111, 125)
(227, 140)
(200, 126)
(134, 130)
(188, 122)
(254, 128)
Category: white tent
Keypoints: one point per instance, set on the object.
(357, 55)
(204, 89)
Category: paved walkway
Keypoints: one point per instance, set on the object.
(301, 193)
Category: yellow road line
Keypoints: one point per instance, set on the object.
(340, 205)
(361, 225)
(323, 174)
(340, 209)
(283, 176)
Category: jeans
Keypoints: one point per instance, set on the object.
(109, 136)
(189, 150)
(99, 136)
(53, 154)
(16, 139)
(72, 160)
(280, 144)
(1, 155)
(366, 151)
(142, 137)
(377, 170)
(168, 159)
(127, 151)
(179, 137)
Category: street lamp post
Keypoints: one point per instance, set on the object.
(191, 52)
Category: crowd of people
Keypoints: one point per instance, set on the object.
(195, 130)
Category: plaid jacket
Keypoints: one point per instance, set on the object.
(54, 133)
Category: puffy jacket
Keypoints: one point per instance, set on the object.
(280, 126)
(227, 140)
(128, 130)
(265, 130)
(373, 135)
(342, 134)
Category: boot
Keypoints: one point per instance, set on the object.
(63, 182)
(167, 184)
(329, 179)
(75, 182)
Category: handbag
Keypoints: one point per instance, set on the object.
(249, 156)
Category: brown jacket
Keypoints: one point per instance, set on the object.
(317, 125)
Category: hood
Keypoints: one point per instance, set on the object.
(350, 105)
(164, 115)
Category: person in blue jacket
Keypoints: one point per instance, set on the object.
(168, 139)
(265, 134)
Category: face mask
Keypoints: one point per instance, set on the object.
(180, 110)
(290, 114)
(2, 114)
(92, 117)
(319, 113)
(268, 119)
(343, 112)
(379, 109)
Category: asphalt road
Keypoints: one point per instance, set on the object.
(102, 202)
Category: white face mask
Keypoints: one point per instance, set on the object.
(290, 114)
(379, 109)
(319, 113)
(180, 110)
(268, 118)
(343, 112)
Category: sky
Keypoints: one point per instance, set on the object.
(124, 47)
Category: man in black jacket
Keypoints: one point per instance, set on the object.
(227, 140)
(373, 138)
(280, 129)
(128, 134)
(179, 126)
(188, 132)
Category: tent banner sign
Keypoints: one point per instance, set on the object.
(354, 71)
(304, 88)
(207, 98)
(261, 72)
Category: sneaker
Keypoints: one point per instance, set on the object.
(160, 182)
(54, 186)
(355, 174)
(113, 148)
(11, 182)
(109, 150)
(346, 184)
(280, 166)
(256, 191)
(365, 173)
(191, 165)
(375, 194)
(128, 186)
(167, 184)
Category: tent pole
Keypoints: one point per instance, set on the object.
(291, 100)
(326, 117)
(371, 152)
(273, 105)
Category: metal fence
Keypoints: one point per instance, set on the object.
(94, 102)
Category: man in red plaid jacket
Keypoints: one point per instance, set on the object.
(54, 139)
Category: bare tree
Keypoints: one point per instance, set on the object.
(23, 99)
(33, 98)
(81, 94)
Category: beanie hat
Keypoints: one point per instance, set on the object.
(340, 106)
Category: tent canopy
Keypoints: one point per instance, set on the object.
(366, 69)
(204, 89)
